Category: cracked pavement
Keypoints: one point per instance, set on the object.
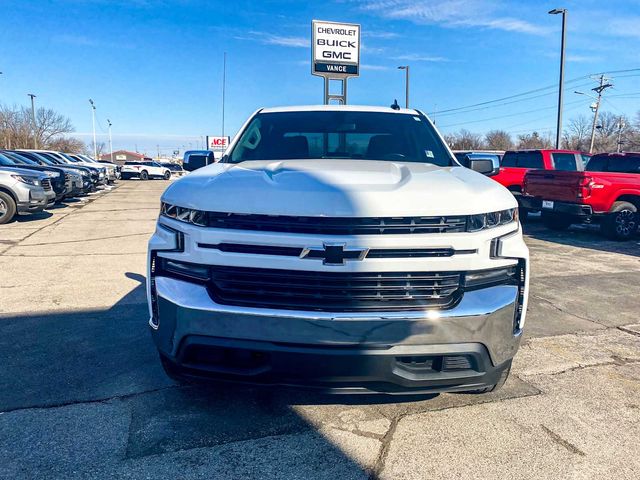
(82, 394)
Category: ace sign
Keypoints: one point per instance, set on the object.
(217, 143)
(335, 49)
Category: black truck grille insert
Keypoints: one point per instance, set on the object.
(339, 292)
(46, 184)
(337, 225)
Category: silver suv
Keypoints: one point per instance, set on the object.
(23, 191)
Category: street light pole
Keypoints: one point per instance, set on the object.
(93, 119)
(563, 11)
(33, 119)
(110, 141)
(224, 81)
(621, 125)
(406, 84)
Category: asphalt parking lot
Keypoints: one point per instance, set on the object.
(82, 394)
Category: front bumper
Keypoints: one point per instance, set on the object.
(396, 352)
(35, 200)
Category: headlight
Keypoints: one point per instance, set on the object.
(187, 215)
(475, 223)
(28, 180)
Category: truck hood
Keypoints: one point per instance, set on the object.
(345, 188)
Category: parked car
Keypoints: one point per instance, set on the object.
(22, 191)
(90, 176)
(339, 247)
(118, 168)
(608, 192)
(516, 163)
(145, 170)
(110, 168)
(176, 168)
(56, 176)
(100, 169)
(79, 181)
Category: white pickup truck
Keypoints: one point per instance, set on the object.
(342, 248)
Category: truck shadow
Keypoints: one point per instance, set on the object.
(582, 236)
(106, 357)
(97, 357)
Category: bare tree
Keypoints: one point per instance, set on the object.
(498, 140)
(67, 145)
(535, 140)
(465, 140)
(18, 128)
(578, 133)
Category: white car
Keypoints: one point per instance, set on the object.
(342, 248)
(144, 170)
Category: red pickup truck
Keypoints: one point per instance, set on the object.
(516, 163)
(608, 192)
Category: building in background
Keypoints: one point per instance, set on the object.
(121, 156)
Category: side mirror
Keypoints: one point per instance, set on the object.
(196, 160)
(485, 166)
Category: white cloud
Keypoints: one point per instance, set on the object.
(374, 67)
(414, 57)
(624, 27)
(583, 59)
(451, 14)
(280, 40)
(373, 50)
(379, 34)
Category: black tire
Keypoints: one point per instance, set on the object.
(621, 223)
(523, 214)
(172, 370)
(167, 175)
(144, 175)
(501, 381)
(556, 221)
(7, 208)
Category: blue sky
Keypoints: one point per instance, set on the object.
(154, 68)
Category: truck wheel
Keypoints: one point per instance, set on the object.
(501, 381)
(167, 175)
(556, 221)
(7, 207)
(621, 223)
(144, 175)
(172, 370)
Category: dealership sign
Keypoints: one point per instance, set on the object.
(217, 143)
(335, 49)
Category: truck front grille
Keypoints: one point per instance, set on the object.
(337, 225)
(46, 184)
(338, 292)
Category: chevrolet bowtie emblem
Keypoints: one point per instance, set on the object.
(334, 253)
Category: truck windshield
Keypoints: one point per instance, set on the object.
(340, 135)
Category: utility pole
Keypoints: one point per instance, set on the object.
(110, 140)
(158, 147)
(93, 119)
(621, 125)
(33, 119)
(599, 89)
(563, 11)
(406, 84)
(224, 81)
(6, 127)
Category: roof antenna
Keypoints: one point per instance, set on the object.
(395, 105)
